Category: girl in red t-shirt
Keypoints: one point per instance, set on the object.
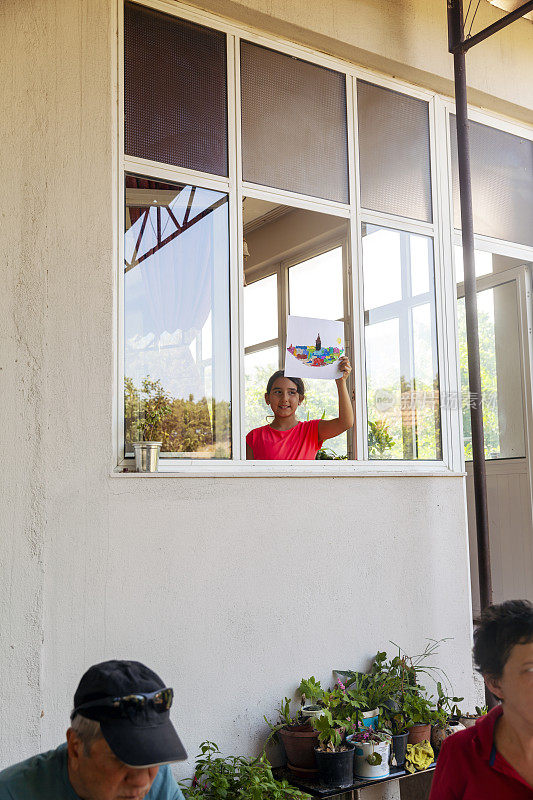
(288, 439)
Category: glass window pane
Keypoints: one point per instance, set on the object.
(294, 133)
(176, 318)
(175, 94)
(401, 346)
(501, 374)
(394, 152)
(261, 311)
(258, 367)
(502, 183)
(316, 286)
(322, 400)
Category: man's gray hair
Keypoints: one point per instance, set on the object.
(87, 730)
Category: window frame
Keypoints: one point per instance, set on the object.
(439, 229)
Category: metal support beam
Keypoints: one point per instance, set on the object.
(455, 34)
(463, 45)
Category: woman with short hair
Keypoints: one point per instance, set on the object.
(493, 760)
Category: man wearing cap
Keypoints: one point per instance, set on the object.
(118, 746)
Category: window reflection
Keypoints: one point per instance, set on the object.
(401, 345)
(176, 303)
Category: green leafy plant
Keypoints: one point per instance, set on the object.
(285, 720)
(446, 707)
(368, 735)
(235, 778)
(379, 438)
(149, 408)
(417, 708)
(481, 710)
(329, 731)
(327, 454)
(310, 690)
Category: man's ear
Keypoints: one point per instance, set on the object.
(74, 746)
(493, 684)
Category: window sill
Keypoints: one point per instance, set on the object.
(189, 468)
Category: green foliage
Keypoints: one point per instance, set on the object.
(236, 778)
(184, 426)
(481, 710)
(329, 731)
(489, 383)
(284, 720)
(446, 706)
(310, 689)
(379, 439)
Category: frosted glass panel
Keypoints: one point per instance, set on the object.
(502, 183)
(293, 124)
(394, 152)
(174, 91)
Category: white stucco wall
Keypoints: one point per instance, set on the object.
(232, 589)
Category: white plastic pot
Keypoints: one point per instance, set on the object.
(365, 770)
(312, 711)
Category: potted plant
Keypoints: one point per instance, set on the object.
(298, 737)
(394, 720)
(447, 714)
(218, 778)
(419, 712)
(333, 756)
(372, 752)
(310, 689)
(470, 719)
(147, 414)
(369, 691)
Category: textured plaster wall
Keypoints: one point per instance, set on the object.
(233, 588)
(405, 38)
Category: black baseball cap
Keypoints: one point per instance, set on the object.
(139, 735)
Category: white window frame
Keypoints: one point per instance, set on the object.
(439, 230)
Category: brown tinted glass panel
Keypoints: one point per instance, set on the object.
(502, 183)
(175, 93)
(293, 124)
(394, 152)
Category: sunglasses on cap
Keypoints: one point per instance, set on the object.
(160, 701)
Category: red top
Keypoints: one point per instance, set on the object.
(470, 767)
(298, 443)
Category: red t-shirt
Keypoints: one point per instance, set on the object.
(298, 443)
(470, 768)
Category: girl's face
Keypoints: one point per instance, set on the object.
(283, 398)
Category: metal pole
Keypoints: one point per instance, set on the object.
(499, 25)
(455, 29)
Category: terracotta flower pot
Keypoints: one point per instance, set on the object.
(418, 733)
(299, 743)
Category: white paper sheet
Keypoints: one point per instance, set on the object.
(313, 347)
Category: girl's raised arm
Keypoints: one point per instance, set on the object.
(328, 428)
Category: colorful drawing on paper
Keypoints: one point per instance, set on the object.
(316, 355)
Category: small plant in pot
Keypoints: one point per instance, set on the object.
(372, 752)
(298, 737)
(447, 714)
(220, 778)
(394, 720)
(369, 691)
(148, 411)
(470, 719)
(333, 756)
(419, 712)
(312, 696)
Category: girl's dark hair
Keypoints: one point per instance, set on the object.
(298, 382)
(501, 627)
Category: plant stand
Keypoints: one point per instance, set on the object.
(315, 789)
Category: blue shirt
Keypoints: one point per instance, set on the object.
(45, 777)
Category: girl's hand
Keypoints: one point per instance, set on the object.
(345, 367)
